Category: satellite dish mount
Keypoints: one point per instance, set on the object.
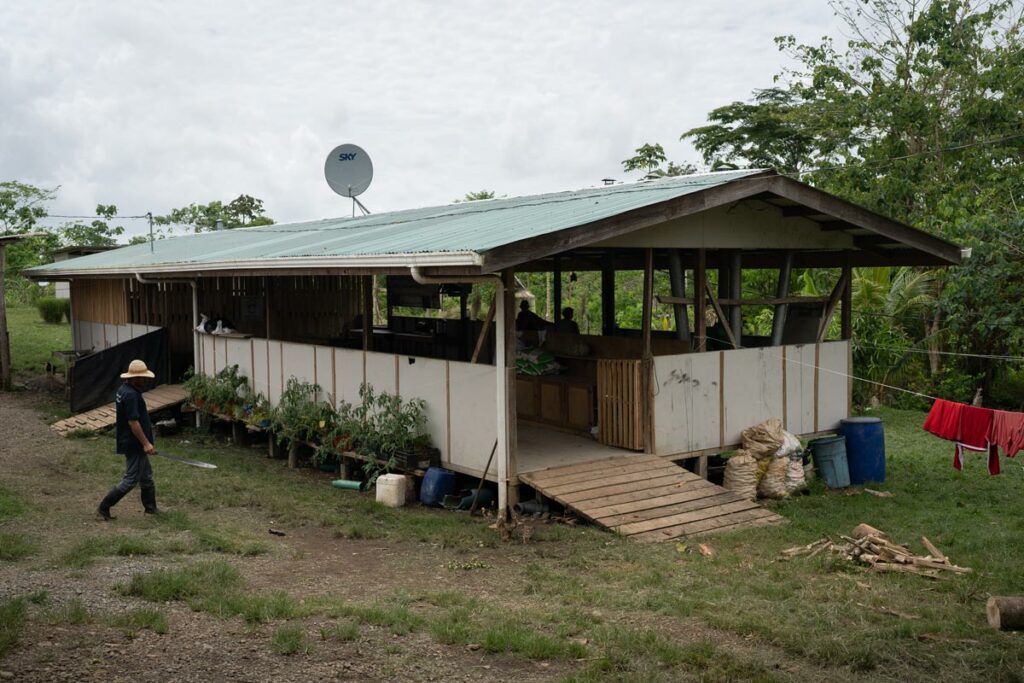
(348, 171)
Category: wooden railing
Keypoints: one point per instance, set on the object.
(620, 403)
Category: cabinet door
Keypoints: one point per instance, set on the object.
(581, 407)
(526, 398)
(551, 402)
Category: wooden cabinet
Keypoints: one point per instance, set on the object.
(556, 401)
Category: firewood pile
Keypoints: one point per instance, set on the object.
(873, 548)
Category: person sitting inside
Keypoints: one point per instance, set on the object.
(567, 324)
(527, 320)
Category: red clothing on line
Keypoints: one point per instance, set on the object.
(1008, 432)
(944, 419)
(975, 429)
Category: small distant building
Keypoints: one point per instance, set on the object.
(62, 289)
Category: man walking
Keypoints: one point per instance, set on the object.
(134, 441)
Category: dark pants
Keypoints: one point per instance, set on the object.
(138, 471)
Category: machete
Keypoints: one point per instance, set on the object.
(177, 458)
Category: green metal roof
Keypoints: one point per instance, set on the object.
(451, 235)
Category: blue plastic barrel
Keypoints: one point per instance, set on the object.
(830, 460)
(437, 483)
(865, 448)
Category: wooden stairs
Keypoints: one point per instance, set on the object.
(159, 398)
(648, 498)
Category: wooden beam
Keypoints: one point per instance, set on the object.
(643, 217)
(833, 302)
(556, 286)
(721, 315)
(648, 298)
(5, 338)
(861, 217)
(799, 211)
(485, 330)
(700, 320)
(846, 321)
(607, 295)
(367, 292)
(771, 301)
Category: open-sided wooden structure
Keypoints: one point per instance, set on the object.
(302, 292)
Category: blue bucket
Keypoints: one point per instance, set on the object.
(437, 483)
(830, 460)
(865, 448)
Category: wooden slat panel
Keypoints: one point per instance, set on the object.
(684, 518)
(681, 493)
(590, 466)
(575, 499)
(700, 500)
(618, 466)
(753, 517)
(106, 415)
(609, 504)
(602, 482)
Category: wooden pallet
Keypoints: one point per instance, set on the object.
(648, 498)
(161, 397)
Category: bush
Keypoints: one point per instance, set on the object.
(54, 310)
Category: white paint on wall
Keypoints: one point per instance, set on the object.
(686, 398)
(473, 414)
(425, 378)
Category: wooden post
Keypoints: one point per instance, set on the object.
(700, 320)
(647, 362)
(367, 312)
(557, 287)
(607, 294)
(505, 394)
(512, 471)
(736, 291)
(1005, 613)
(781, 292)
(5, 338)
(485, 330)
(846, 319)
(830, 308)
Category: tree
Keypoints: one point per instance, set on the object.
(649, 158)
(244, 211)
(476, 196)
(22, 206)
(98, 232)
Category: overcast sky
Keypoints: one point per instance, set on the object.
(152, 105)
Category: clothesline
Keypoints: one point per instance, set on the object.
(1016, 359)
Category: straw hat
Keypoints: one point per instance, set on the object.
(137, 368)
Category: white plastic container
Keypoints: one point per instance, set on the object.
(392, 490)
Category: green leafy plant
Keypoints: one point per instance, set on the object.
(226, 393)
(54, 310)
(299, 416)
(385, 425)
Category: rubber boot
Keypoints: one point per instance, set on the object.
(109, 501)
(149, 500)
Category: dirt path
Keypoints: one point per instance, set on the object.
(309, 561)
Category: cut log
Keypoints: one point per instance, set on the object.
(1005, 613)
(863, 530)
(933, 551)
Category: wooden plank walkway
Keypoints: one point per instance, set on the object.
(164, 396)
(648, 498)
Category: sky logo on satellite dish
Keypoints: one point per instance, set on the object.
(348, 170)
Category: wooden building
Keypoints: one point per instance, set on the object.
(302, 292)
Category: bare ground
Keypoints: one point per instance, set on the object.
(308, 561)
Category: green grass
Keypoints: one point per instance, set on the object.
(290, 639)
(32, 340)
(73, 612)
(12, 504)
(142, 618)
(16, 546)
(13, 615)
(344, 632)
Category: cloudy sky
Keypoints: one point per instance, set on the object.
(152, 105)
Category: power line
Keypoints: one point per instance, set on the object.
(889, 160)
(108, 218)
(1016, 359)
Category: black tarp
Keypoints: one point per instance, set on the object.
(95, 378)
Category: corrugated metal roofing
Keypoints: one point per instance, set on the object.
(456, 234)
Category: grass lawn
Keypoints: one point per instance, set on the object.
(595, 605)
(32, 340)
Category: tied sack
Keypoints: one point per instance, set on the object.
(773, 483)
(741, 475)
(764, 440)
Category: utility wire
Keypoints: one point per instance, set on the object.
(107, 218)
(889, 160)
(1016, 359)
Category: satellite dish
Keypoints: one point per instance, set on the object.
(348, 170)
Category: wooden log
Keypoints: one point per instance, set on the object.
(1005, 613)
(937, 554)
(238, 433)
(863, 530)
(293, 455)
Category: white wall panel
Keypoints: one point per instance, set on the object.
(474, 417)
(800, 388)
(240, 352)
(686, 402)
(833, 398)
(425, 378)
(260, 372)
(323, 357)
(209, 355)
(380, 372)
(277, 378)
(348, 374)
(298, 361)
(753, 389)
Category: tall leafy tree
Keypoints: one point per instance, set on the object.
(649, 158)
(98, 232)
(244, 211)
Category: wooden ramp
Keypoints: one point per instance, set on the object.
(648, 498)
(164, 396)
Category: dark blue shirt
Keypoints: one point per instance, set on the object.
(131, 406)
